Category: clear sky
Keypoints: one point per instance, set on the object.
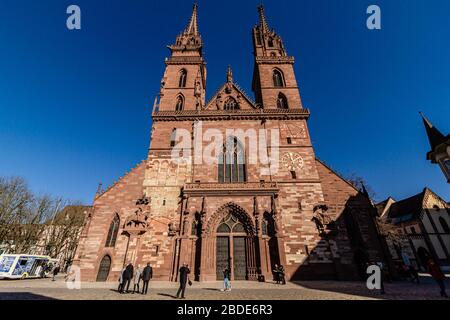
(75, 105)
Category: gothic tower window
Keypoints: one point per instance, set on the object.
(282, 102)
(183, 77)
(180, 104)
(270, 43)
(113, 231)
(231, 104)
(278, 78)
(231, 166)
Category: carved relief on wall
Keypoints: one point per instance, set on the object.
(324, 223)
(139, 220)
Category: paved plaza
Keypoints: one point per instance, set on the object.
(242, 290)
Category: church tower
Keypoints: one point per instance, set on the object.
(183, 82)
(274, 82)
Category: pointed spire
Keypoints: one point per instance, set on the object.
(192, 27)
(435, 137)
(262, 19)
(229, 74)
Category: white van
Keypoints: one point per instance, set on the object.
(22, 266)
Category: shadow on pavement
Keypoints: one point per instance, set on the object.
(23, 296)
(167, 295)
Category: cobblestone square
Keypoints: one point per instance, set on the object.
(44, 289)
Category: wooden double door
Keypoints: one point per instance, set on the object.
(231, 253)
(231, 248)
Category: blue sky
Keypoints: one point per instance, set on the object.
(75, 105)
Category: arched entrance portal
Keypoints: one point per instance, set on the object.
(231, 248)
(103, 270)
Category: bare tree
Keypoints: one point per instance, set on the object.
(360, 183)
(36, 224)
(64, 230)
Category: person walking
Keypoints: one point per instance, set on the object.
(276, 273)
(55, 272)
(437, 274)
(43, 269)
(226, 279)
(137, 278)
(184, 278)
(121, 280)
(281, 274)
(147, 274)
(127, 275)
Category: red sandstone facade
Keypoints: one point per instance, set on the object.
(301, 214)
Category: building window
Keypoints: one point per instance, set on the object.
(231, 104)
(231, 166)
(289, 140)
(293, 175)
(278, 78)
(444, 225)
(173, 138)
(180, 104)
(183, 77)
(270, 43)
(113, 231)
(282, 102)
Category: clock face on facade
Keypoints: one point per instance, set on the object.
(292, 161)
(294, 130)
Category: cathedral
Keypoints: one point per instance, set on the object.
(235, 212)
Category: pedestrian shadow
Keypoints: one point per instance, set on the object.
(114, 290)
(211, 289)
(167, 295)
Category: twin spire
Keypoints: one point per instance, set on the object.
(192, 27)
(264, 26)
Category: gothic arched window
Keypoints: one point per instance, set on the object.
(231, 104)
(183, 77)
(282, 102)
(113, 231)
(278, 78)
(230, 224)
(232, 162)
(180, 104)
(444, 225)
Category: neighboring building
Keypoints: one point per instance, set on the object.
(58, 237)
(422, 228)
(232, 213)
(440, 147)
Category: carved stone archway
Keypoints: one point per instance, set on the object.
(240, 244)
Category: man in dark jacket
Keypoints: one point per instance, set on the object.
(184, 278)
(282, 274)
(147, 274)
(127, 276)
